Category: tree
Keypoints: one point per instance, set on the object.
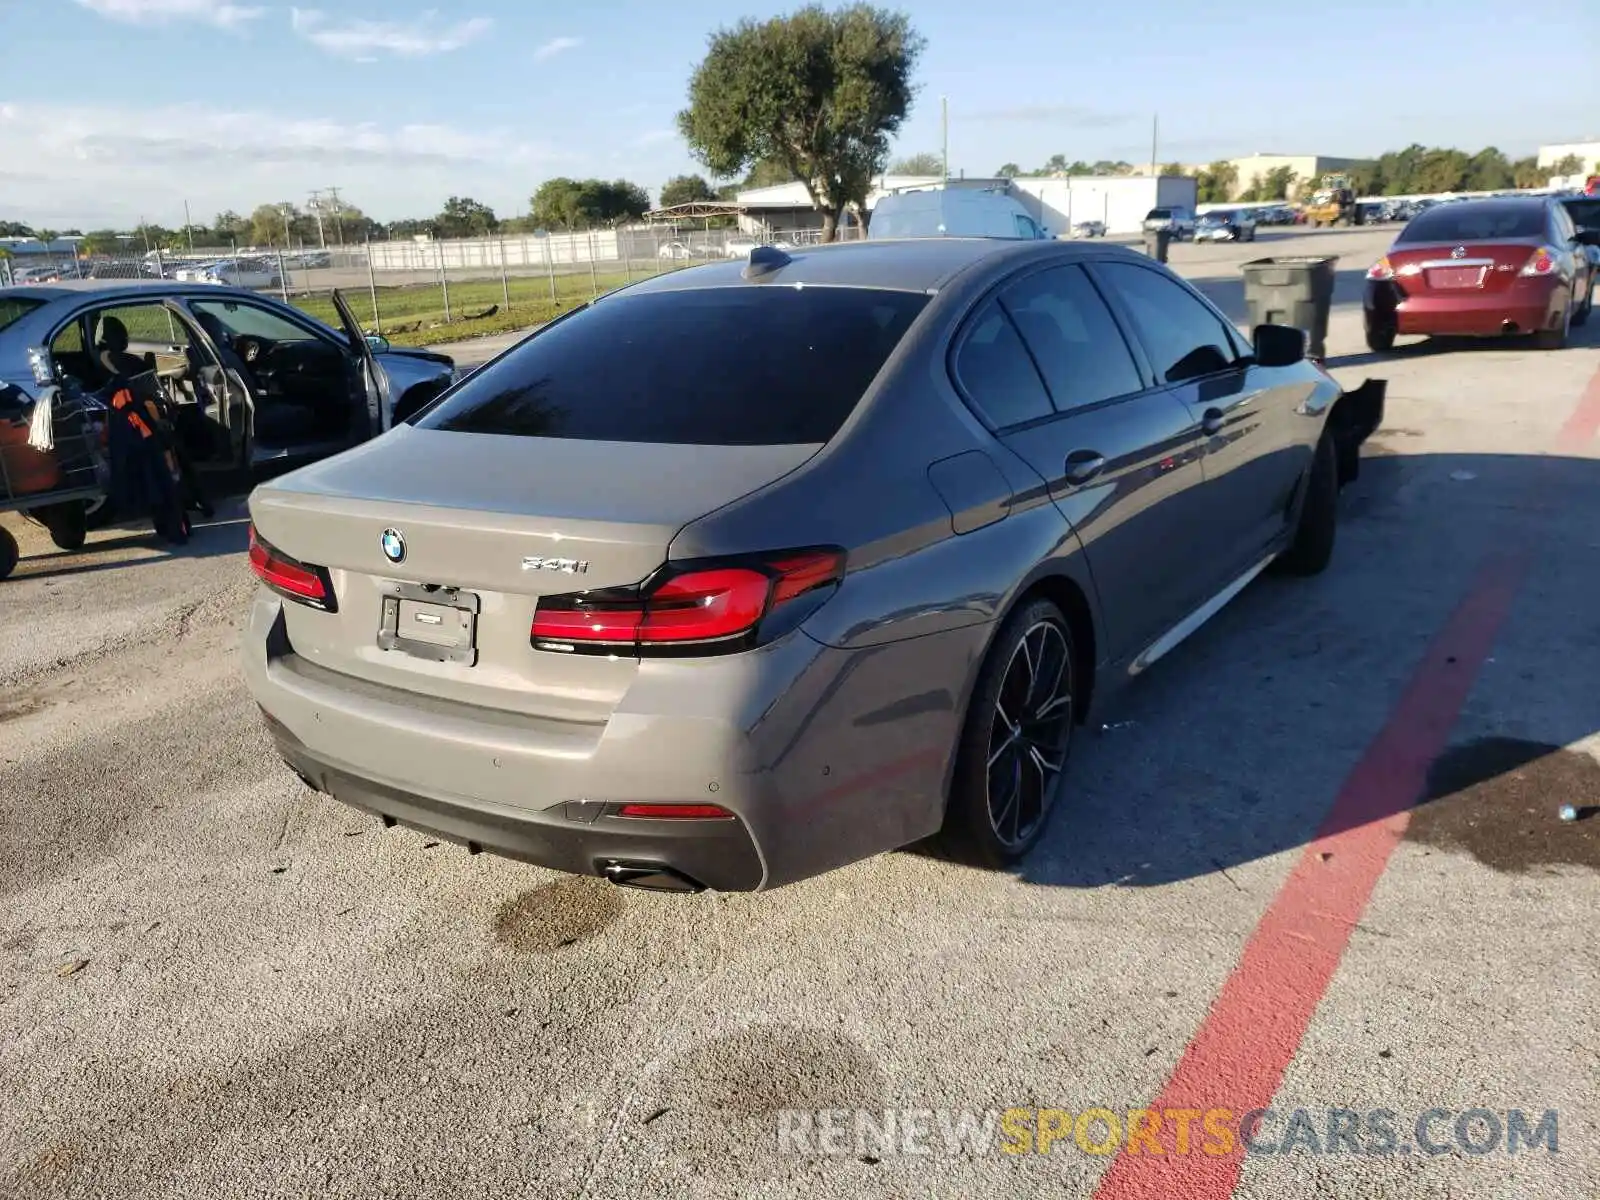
(1527, 173)
(1217, 182)
(1056, 164)
(1009, 171)
(228, 227)
(1278, 183)
(269, 223)
(563, 203)
(819, 92)
(463, 217)
(1571, 164)
(410, 227)
(15, 229)
(685, 189)
(926, 163)
(1173, 168)
(100, 241)
(46, 235)
(1489, 171)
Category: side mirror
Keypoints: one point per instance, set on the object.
(1279, 345)
(377, 343)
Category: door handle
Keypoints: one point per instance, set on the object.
(1084, 465)
(1211, 421)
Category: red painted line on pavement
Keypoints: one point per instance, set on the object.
(1237, 1058)
(1580, 428)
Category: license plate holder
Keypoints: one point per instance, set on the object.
(1455, 277)
(437, 624)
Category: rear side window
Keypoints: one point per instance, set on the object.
(14, 308)
(1182, 336)
(1079, 349)
(996, 373)
(752, 365)
(1585, 214)
(1468, 222)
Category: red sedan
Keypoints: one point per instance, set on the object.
(1483, 268)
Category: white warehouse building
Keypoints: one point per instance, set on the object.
(1119, 201)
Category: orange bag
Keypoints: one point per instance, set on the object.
(24, 470)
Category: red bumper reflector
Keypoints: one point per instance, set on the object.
(676, 812)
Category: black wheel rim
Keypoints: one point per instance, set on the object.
(1028, 733)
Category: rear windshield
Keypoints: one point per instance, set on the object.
(1475, 223)
(753, 365)
(1157, 212)
(14, 308)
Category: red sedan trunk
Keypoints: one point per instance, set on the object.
(1476, 288)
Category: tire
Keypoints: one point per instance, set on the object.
(1312, 548)
(1582, 315)
(1380, 341)
(10, 552)
(68, 525)
(997, 740)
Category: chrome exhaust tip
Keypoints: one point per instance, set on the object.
(649, 877)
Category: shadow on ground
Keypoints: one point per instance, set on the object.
(1227, 795)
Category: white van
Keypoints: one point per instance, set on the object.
(952, 212)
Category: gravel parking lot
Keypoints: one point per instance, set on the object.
(215, 983)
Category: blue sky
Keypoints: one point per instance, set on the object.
(112, 110)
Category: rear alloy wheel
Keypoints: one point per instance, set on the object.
(1312, 548)
(1015, 742)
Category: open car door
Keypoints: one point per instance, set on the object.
(222, 391)
(373, 380)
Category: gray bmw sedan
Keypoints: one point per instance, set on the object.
(752, 570)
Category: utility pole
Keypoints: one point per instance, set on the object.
(1155, 124)
(288, 238)
(944, 109)
(316, 207)
(338, 224)
(188, 226)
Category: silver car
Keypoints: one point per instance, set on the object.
(251, 380)
(748, 571)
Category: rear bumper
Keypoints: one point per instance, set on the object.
(813, 749)
(704, 854)
(1526, 306)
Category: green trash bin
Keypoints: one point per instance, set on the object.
(1293, 290)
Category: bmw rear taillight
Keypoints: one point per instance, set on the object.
(1381, 270)
(1540, 263)
(290, 577)
(691, 608)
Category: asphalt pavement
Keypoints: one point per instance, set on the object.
(216, 983)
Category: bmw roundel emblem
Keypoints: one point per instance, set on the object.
(394, 545)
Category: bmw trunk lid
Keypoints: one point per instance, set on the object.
(438, 546)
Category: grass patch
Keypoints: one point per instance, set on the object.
(414, 315)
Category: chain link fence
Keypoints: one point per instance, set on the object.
(425, 291)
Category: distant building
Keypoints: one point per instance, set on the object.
(1587, 153)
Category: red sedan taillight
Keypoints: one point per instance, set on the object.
(1540, 263)
(1381, 270)
(704, 608)
(289, 577)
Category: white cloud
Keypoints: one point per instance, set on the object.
(419, 37)
(656, 137)
(92, 165)
(556, 46)
(220, 13)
